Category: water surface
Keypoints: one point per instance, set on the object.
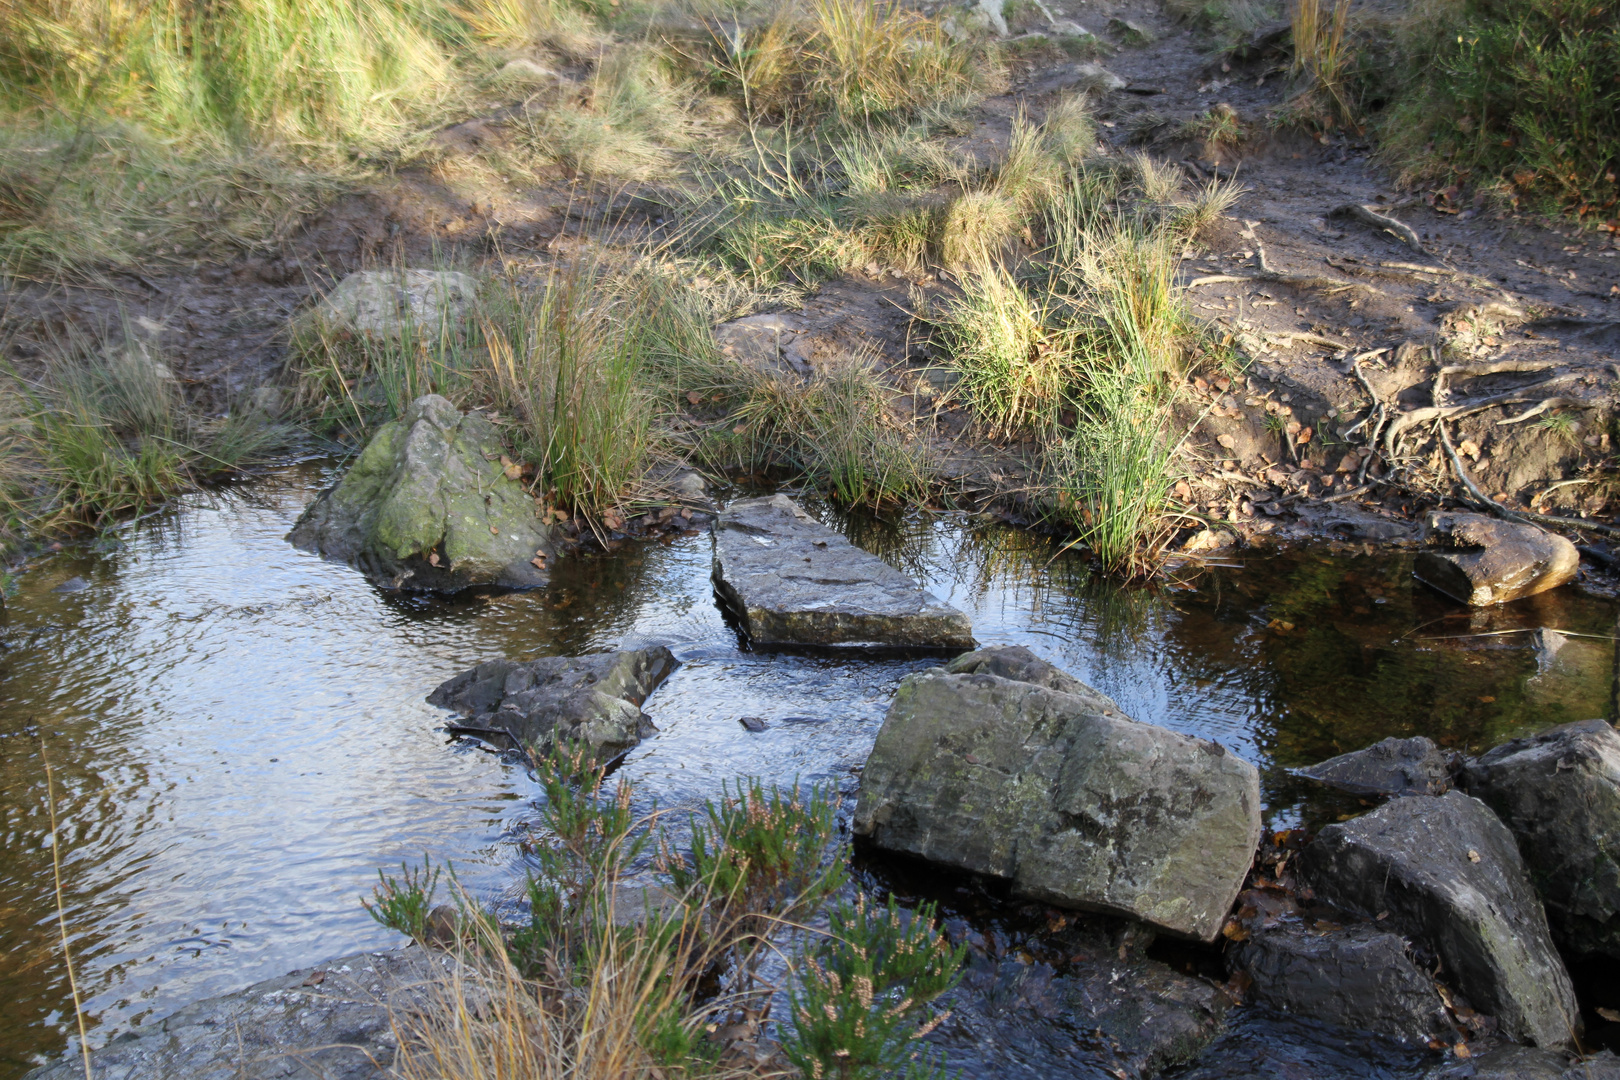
(239, 739)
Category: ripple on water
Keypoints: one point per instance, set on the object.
(240, 740)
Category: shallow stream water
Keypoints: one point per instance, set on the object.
(239, 741)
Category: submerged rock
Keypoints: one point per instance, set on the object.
(1120, 1016)
(1357, 976)
(1444, 871)
(792, 580)
(992, 766)
(428, 506)
(1559, 794)
(591, 699)
(1525, 1063)
(327, 1023)
(1413, 766)
(1484, 560)
(391, 303)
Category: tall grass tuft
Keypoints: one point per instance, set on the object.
(1322, 64)
(101, 429)
(1013, 353)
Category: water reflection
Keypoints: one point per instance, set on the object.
(240, 738)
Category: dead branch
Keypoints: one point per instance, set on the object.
(1542, 406)
(1367, 216)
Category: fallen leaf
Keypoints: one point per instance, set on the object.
(1486, 699)
(1611, 1015)
(512, 469)
(1462, 1051)
(1473, 856)
(1304, 436)
(315, 978)
(433, 558)
(739, 429)
(694, 397)
(539, 563)
(493, 531)
(1227, 441)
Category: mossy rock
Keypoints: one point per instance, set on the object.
(428, 507)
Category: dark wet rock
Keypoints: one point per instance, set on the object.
(1526, 1063)
(326, 1023)
(1448, 875)
(593, 699)
(1357, 976)
(72, 585)
(1559, 794)
(1484, 560)
(1074, 802)
(428, 505)
(768, 344)
(792, 580)
(1126, 1017)
(1261, 1044)
(1413, 766)
(753, 723)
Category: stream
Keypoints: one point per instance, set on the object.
(239, 742)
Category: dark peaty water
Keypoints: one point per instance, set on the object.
(239, 739)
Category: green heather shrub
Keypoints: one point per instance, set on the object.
(1523, 97)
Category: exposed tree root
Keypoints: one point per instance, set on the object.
(1367, 216)
(1299, 281)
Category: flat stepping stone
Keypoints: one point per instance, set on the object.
(793, 581)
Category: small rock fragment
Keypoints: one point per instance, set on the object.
(1413, 766)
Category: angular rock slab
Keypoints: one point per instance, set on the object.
(1413, 766)
(425, 508)
(793, 581)
(1358, 976)
(1073, 801)
(594, 699)
(1559, 794)
(339, 1028)
(1449, 875)
(1484, 560)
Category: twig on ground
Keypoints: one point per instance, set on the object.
(1367, 216)
(61, 913)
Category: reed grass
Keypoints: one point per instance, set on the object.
(1322, 64)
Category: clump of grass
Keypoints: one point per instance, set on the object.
(1522, 98)
(1228, 21)
(844, 60)
(101, 429)
(1218, 126)
(1323, 64)
(561, 357)
(1014, 356)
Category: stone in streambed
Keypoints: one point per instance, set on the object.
(793, 581)
(1413, 766)
(1527, 1063)
(334, 1022)
(428, 506)
(1356, 976)
(595, 700)
(1559, 794)
(1484, 560)
(1448, 875)
(390, 303)
(1000, 764)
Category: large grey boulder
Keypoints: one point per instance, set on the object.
(595, 700)
(1484, 560)
(793, 581)
(1559, 794)
(429, 506)
(327, 1023)
(1526, 1063)
(1357, 976)
(985, 766)
(1413, 766)
(1444, 871)
(391, 303)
